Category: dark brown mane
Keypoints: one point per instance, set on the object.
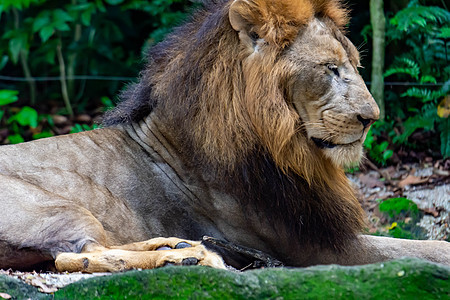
(241, 130)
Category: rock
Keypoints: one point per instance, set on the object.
(400, 279)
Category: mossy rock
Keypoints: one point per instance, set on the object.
(401, 279)
(19, 290)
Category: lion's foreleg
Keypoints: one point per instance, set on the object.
(113, 260)
(157, 243)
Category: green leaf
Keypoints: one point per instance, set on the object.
(86, 18)
(62, 27)
(3, 61)
(17, 44)
(43, 134)
(101, 7)
(40, 21)
(15, 139)
(8, 97)
(2, 113)
(27, 116)
(61, 16)
(428, 79)
(445, 33)
(46, 32)
(107, 103)
(387, 154)
(369, 140)
(383, 146)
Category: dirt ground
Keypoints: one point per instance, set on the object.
(426, 184)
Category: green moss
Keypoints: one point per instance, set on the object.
(397, 206)
(401, 279)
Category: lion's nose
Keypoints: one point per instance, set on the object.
(365, 122)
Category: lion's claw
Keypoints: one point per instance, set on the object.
(164, 248)
(182, 245)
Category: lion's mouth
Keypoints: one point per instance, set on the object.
(322, 144)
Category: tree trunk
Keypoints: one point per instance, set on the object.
(378, 21)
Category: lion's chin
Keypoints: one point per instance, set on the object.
(344, 156)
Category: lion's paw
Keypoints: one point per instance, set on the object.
(114, 260)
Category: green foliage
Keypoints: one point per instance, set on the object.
(26, 116)
(377, 151)
(8, 97)
(80, 37)
(421, 32)
(20, 120)
(396, 207)
(416, 15)
(82, 127)
(404, 214)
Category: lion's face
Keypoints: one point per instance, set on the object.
(303, 89)
(333, 103)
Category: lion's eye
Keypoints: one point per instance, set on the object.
(334, 68)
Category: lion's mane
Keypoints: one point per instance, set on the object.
(239, 129)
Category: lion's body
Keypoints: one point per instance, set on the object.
(238, 129)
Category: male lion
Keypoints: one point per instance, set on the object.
(239, 129)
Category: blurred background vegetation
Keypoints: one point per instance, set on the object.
(62, 63)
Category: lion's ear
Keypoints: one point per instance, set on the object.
(242, 19)
(238, 15)
(277, 22)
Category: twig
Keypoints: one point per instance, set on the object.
(62, 72)
(23, 56)
(385, 175)
(266, 259)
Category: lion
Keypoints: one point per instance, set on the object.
(239, 128)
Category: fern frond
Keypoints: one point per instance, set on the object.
(445, 33)
(428, 79)
(411, 125)
(421, 93)
(418, 15)
(404, 66)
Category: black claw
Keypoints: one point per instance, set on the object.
(182, 245)
(163, 248)
(190, 261)
(168, 264)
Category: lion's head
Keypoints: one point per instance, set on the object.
(315, 87)
(259, 74)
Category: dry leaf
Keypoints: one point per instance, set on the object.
(412, 180)
(370, 180)
(431, 211)
(5, 296)
(443, 109)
